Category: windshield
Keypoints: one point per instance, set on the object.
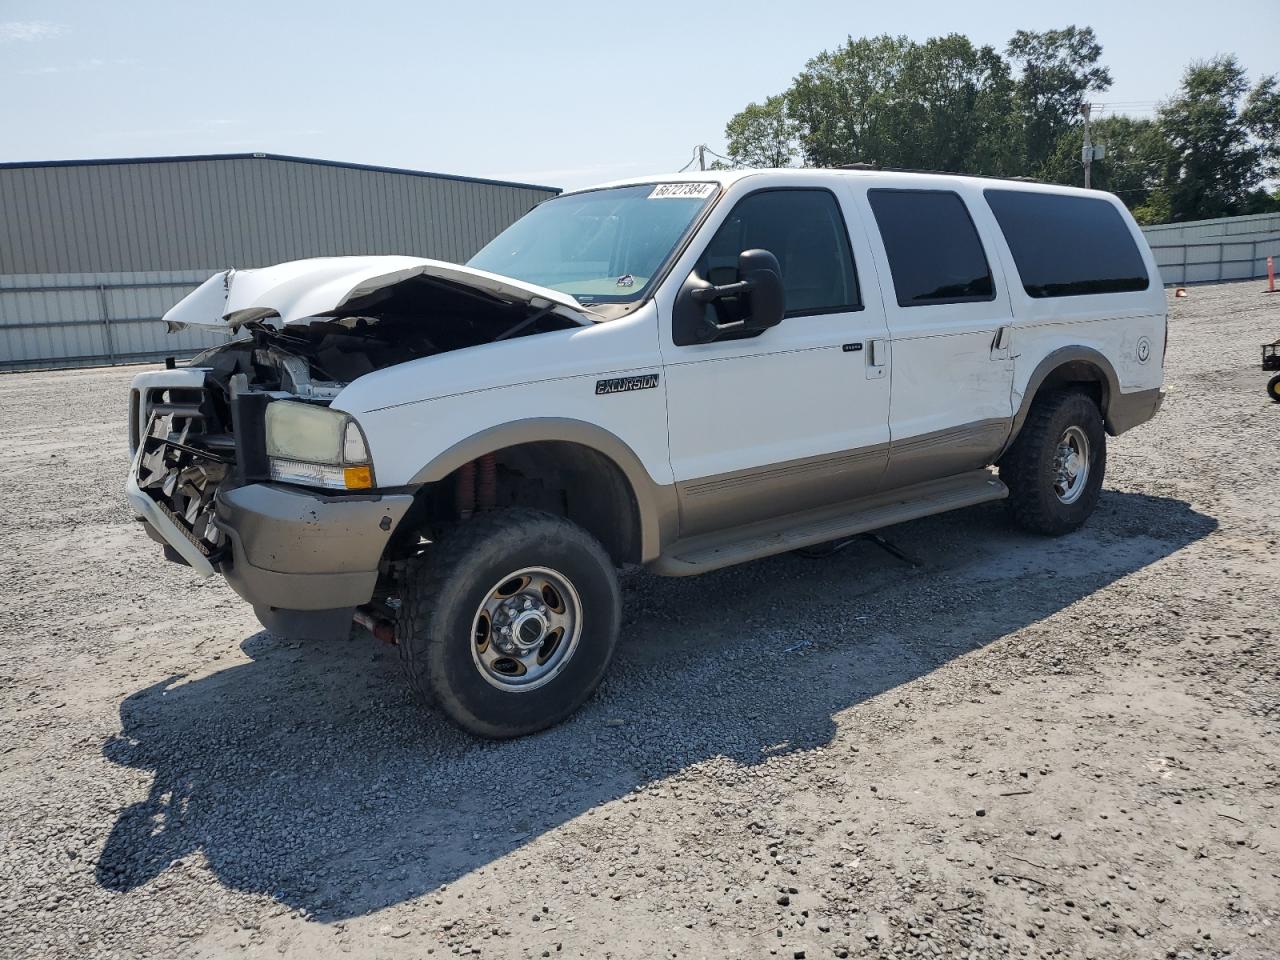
(601, 246)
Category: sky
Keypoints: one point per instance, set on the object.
(564, 94)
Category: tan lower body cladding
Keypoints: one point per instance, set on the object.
(743, 496)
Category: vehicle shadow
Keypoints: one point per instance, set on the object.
(309, 774)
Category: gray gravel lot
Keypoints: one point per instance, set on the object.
(1023, 747)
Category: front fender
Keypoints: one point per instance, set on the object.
(655, 501)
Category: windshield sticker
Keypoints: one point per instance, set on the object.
(682, 191)
(626, 280)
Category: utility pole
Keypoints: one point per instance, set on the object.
(1086, 152)
(702, 156)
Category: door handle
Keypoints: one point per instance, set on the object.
(877, 358)
(1001, 342)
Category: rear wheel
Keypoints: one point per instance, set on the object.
(509, 621)
(1273, 388)
(1055, 467)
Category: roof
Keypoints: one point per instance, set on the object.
(923, 178)
(29, 164)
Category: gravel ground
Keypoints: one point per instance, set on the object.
(1022, 747)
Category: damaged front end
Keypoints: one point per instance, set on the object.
(223, 493)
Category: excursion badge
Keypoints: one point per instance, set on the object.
(646, 381)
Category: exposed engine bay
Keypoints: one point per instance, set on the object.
(193, 438)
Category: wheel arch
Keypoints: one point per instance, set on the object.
(1079, 365)
(588, 451)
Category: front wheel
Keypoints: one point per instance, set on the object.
(509, 621)
(1273, 388)
(1055, 467)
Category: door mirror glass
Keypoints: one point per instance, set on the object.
(745, 306)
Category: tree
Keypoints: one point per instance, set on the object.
(842, 102)
(762, 135)
(943, 104)
(1137, 153)
(1220, 154)
(1261, 115)
(1058, 67)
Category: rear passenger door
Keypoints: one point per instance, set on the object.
(948, 313)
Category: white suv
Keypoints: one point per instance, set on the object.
(681, 372)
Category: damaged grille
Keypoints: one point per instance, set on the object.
(186, 455)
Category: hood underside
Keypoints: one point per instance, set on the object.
(325, 286)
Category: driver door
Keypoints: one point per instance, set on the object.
(797, 416)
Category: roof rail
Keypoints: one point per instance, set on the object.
(938, 173)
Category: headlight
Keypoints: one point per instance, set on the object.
(317, 447)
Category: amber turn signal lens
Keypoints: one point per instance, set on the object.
(358, 478)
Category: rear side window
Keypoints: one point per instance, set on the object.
(1067, 246)
(805, 230)
(933, 247)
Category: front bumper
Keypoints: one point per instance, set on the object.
(293, 550)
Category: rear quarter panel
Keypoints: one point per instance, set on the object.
(1123, 327)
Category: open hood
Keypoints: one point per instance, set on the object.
(300, 289)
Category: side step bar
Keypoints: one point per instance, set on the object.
(765, 538)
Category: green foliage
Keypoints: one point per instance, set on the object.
(762, 135)
(1224, 141)
(942, 104)
(946, 104)
(1136, 157)
(1214, 166)
(1057, 68)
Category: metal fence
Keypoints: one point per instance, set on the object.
(1208, 251)
(75, 320)
(1211, 261)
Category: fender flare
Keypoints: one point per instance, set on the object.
(656, 503)
(1051, 362)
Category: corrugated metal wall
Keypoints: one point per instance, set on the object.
(93, 253)
(81, 319)
(1206, 251)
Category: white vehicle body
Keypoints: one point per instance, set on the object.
(730, 449)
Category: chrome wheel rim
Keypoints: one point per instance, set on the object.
(1071, 462)
(526, 629)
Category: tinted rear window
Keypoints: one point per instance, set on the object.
(934, 252)
(1067, 246)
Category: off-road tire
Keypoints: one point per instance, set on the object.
(443, 590)
(1273, 388)
(1028, 469)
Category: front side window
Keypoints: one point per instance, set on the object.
(805, 230)
(934, 252)
(600, 246)
(1066, 246)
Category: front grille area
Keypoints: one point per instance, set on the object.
(187, 452)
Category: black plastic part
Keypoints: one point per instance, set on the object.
(317, 625)
(704, 312)
(249, 423)
(170, 363)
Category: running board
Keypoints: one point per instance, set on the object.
(779, 535)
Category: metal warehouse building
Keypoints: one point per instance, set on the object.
(93, 252)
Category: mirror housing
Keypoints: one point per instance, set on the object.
(757, 298)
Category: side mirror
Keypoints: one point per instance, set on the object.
(704, 311)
